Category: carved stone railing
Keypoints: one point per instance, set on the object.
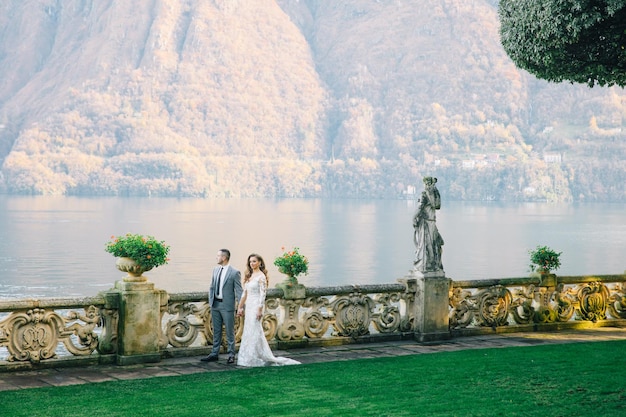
(79, 331)
(327, 315)
(541, 301)
(34, 331)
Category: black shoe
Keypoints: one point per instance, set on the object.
(231, 359)
(210, 358)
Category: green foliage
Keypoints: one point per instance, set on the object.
(145, 250)
(292, 263)
(546, 385)
(581, 41)
(544, 259)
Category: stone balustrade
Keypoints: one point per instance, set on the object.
(326, 315)
(134, 322)
(522, 304)
(37, 331)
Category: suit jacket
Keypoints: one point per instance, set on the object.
(231, 290)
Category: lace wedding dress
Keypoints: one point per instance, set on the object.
(254, 349)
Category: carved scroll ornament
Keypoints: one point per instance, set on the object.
(33, 335)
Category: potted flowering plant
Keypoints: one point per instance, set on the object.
(543, 259)
(145, 252)
(292, 263)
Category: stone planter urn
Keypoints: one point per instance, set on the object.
(292, 289)
(133, 269)
(546, 279)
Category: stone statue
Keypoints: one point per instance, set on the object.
(428, 241)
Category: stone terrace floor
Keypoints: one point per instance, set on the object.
(191, 365)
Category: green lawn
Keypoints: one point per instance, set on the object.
(555, 380)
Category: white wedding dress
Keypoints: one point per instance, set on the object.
(254, 349)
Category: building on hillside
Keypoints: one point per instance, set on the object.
(468, 164)
(552, 158)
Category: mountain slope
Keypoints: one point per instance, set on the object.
(290, 98)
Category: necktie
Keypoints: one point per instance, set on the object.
(218, 290)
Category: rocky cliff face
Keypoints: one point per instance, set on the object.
(287, 98)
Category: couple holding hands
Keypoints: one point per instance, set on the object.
(225, 291)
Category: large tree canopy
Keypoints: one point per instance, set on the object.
(581, 41)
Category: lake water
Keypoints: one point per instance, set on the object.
(54, 246)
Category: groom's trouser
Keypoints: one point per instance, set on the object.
(227, 318)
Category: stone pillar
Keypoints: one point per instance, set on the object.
(293, 297)
(139, 322)
(431, 305)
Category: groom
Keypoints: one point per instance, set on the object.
(225, 289)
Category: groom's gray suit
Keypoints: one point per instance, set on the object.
(223, 311)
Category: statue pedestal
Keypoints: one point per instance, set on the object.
(431, 305)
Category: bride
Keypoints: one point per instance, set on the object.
(254, 349)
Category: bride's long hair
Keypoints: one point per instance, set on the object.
(248, 272)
